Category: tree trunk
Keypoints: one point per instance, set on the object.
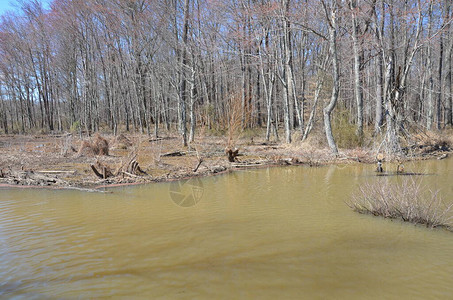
(439, 93)
(183, 81)
(357, 65)
(429, 65)
(191, 107)
(288, 82)
(336, 76)
(448, 77)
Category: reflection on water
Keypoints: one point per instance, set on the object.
(279, 232)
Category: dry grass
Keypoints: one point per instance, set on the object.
(122, 142)
(97, 146)
(409, 201)
(425, 143)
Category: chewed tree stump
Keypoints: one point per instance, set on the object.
(232, 154)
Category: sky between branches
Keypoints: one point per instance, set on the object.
(14, 5)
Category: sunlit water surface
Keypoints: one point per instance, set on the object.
(278, 233)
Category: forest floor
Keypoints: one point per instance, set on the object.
(58, 160)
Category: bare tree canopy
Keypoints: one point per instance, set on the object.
(143, 65)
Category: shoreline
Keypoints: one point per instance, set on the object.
(24, 156)
(96, 187)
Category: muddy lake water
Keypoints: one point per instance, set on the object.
(273, 233)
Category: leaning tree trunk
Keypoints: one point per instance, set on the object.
(319, 85)
(336, 79)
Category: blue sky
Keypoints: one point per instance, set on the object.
(12, 5)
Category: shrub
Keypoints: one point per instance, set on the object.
(75, 127)
(345, 132)
(409, 201)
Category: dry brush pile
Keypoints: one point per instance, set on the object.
(100, 146)
(409, 201)
(97, 146)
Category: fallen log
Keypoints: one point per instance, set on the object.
(55, 172)
(161, 139)
(175, 153)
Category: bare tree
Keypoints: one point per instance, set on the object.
(331, 10)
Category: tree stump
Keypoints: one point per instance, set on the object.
(232, 154)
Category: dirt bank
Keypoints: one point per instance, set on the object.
(68, 161)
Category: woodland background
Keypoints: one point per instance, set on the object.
(346, 69)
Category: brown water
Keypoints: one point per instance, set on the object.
(264, 234)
